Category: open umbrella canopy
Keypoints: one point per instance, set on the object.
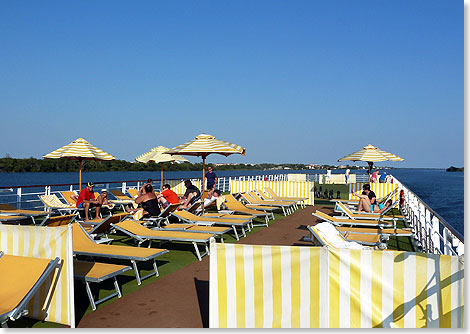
(158, 154)
(202, 146)
(371, 154)
(80, 150)
(205, 144)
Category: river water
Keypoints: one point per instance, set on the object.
(442, 191)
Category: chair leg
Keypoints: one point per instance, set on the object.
(90, 296)
(136, 270)
(197, 251)
(235, 231)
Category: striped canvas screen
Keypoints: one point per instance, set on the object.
(55, 300)
(178, 185)
(282, 188)
(317, 287)
(380, 190)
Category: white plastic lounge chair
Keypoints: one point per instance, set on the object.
(52, 202)
(328, 235)
(199, 220)
(95, 272)
(141, 234)
(84, 245)
(20, 279)
(9, 209)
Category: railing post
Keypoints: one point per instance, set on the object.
(18, 198)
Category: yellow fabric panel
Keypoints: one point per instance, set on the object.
(9, 217)
(133, 192)
(18, 276)
(362, 237)
(188, 215)
(140, 230)
(67, 195)
(95, 269)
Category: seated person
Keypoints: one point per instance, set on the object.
(167, 196)
(212, 197)
(86, 200)
(191, 195)
(367, 199)
(103, 199)
(379, 208)
(148, 201)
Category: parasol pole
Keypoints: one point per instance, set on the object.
(370, 168)
(161, 177)
(203, 179)
(80, 176)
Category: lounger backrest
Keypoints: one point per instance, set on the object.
(116, 218)
(194, 206)
(67, 196)
(58, 220)
(186, 214)
(271, 192)
(7, 207)
(119, 195)
(133, 192)
(324, 216)
(248, 198)
(169, 209)
(255, 196)
(52, 201)
(25, 274)
(345, 209)
(263, 194)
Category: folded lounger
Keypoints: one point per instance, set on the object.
(9, 209)
(368, 215)
(234, 205)
(58, 220)
(11, 218)
(52, 202)
(95, 272)
(142, 234)
(20, 279)
(253, 199)
(84, 245)
(274, 195)
(193, 219)
(328, 235)
(353, 222)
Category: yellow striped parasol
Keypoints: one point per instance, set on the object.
(79, 150)
(371, 154)
(205, 144)
(158, 155)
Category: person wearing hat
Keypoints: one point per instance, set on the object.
(103, 199)
(86, 200)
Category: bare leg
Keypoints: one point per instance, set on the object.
(98, 207)
(186, 203)
(86, 206)
(364, 204)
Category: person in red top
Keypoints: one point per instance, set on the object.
(167, 196)
(86, 200)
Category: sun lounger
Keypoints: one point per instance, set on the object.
(122, 199)
(58, 220)
(275, 196)
(400, 232)
(193, 219)
(327, 235)
(232, 204)
(95, 272)
(163, 216)
(262, 196)
(367, 215)
(20, 279)
(220, 231)
(9, 209)
(52, 202)
(253, 199)
(84, 245)
(353, 222)
(97, 227)
(133, 192)
(355, 202)
(141, 234)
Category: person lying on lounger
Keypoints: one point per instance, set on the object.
(379, 208)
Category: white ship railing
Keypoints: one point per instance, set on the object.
(432, 232)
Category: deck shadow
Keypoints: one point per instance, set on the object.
(202, 291)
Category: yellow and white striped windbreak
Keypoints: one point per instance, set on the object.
(371, 153)
(55, 299)
(158, 154)
(79, 149)
(254, 286)
(205, 144)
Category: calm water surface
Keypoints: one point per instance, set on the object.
(442, 191)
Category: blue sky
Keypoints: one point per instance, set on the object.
(291, 81)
